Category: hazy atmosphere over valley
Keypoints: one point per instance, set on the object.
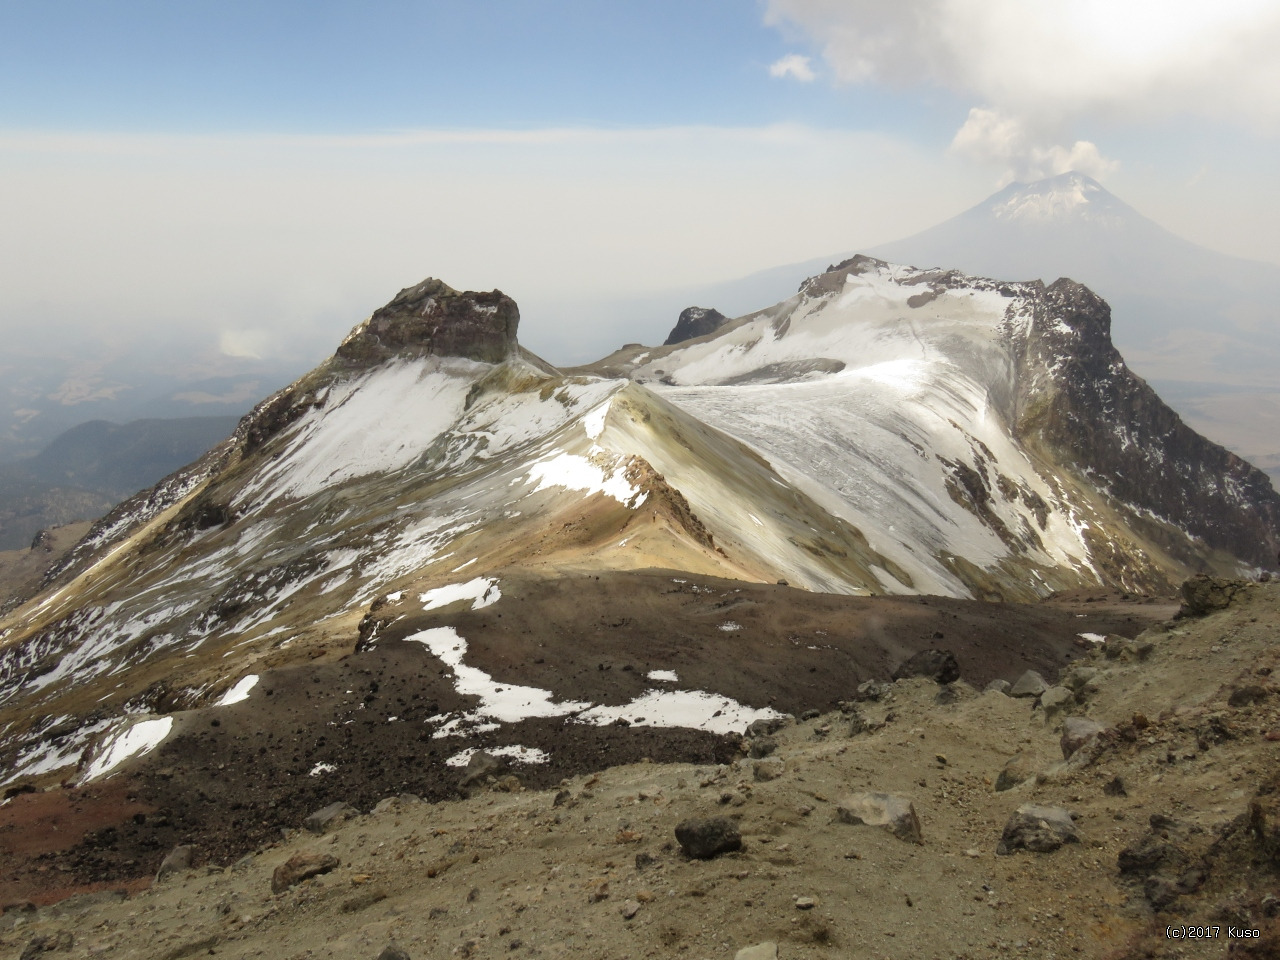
(740, 479)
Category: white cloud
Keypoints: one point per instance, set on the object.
(247, 344)
(793, 65)
(1052, 64)
(989, 136)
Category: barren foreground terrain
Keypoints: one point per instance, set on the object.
(1175, 821)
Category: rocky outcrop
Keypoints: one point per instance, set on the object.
(434, 319)
(1076, 397)
(695, 322)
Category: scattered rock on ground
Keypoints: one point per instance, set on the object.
(761, 951)
(997, 686)
(1038, 829)
(299, 867)
(392, 952)
(326, 818)
(1018, 770)
(893, 813)
(1076, 733)
(177, 860)
(703, 839)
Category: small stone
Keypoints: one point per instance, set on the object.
(1247, 696)
(761, 951)
(703, 839)
(1030, 684)
(762, 747)
(300, 867)
(810, 715)
(805, 903)
(598, 891)
(892, 813)
(1115, 788)
(392, 952)
(1080, 679)
(480, 768)
(178, 860)
(997, 686)
(766, 726)
(1039, 829)
(629, 909)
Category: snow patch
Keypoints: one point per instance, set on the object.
(320, 769)
(482, 591)
(136, 740)
(574, 472)
(239, 692)
(519, 754)
(668, 676)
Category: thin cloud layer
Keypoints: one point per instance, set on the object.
(1038, 67)
(793, 65)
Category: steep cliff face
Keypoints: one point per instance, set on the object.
(1079, 401)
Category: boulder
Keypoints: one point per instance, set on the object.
(1038, 829)
(703, 839)
(326, 818)
(895, 814)
(1079, 680)
(1076, 733)
(766, 726)
(1018, 770)
(1030, 684)
(761, 747)
(1203, 594)
(1056, 700)
(997, 686)
(178, 860)
(938, 665)
(480, 768)
(299, 867)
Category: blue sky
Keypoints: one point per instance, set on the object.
(262, 174)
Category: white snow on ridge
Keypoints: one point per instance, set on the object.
(668, 676)
(518, 753)
(377, 422)
(135, 740)
(573, 472)
(239, 692)
(482, 591)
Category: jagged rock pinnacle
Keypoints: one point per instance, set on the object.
(695, 322)
(433, 318)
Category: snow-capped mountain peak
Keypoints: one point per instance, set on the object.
(1068, 196)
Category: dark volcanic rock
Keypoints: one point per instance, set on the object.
(434, 319)
(1039, 829)
(695, 322)
(704, 839)
(1093, 412)
(939, 665)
